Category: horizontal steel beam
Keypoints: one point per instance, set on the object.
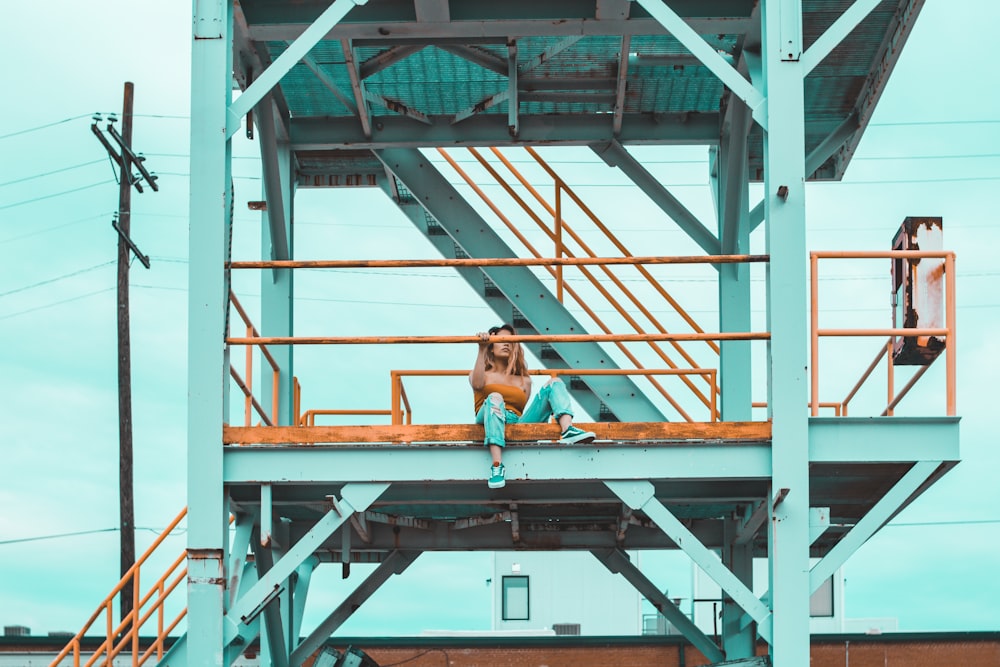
(883, 439)
(491, 130)
(469, 463)
(497, 30)
(532, 536)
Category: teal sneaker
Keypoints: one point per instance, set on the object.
(575, 436)
(498, 477)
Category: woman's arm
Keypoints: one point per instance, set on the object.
(477, 376)
(526, 386)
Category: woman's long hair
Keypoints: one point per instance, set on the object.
(515, 362)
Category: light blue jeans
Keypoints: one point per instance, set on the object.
(552, 400)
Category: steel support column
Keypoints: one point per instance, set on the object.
(734, 279)
(272, 640)
(277, 287)
(788, 378)
(738, 640)
(210, 192)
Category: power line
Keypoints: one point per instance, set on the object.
(56, 536)
(57, 278)
(50, 173)
(57, 194)
(56, 303)
(45, 126)
(57, 227)
(936, 122)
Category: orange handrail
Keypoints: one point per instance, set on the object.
(519, 338)
(397, 381)
(621, 247)
(560, 226)
(309, 416)
(590, 312)
(492, 261)
(133, 622)
(948, 331)
(246, 384)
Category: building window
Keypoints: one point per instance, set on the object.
(821, 602)
(515, 598)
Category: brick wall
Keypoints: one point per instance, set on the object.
(866, 652)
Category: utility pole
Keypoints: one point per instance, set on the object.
(125, 480)
(122, 224)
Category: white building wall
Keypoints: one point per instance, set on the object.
(575, 588)
(567, 588)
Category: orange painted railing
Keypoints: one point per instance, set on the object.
(245, 382)
(554, 210)
(839, 409)
(399, 393)
(308, 418)
(144, 607)
(948, 332)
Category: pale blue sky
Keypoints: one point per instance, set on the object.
(933, 149)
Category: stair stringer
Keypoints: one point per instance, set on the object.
(521, 290)
(498, 303)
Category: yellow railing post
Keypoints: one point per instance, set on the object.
(951, 346)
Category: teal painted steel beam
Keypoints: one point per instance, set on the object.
(734, 181)
(819, 522)
(277, 287)
(266, 516)
(210, 208)
(496, 29)
(836, 33)
(300, 594)
(883, 439)
(787, 314)
(354, 497)
(270, 77)
(330, 83)
(708, 56)
(513, 102)
(618, 562)
(615, 155)
(410, 464)
(887, 506)
(491, 130)
(738, 641)
(735, 367)
(639, 496)
(473, 276)
(522, 287)
(364, 112)
(274, 185)
(273, 648)
(395, 563)
(535, 534)
(244, 525)
(816, 158)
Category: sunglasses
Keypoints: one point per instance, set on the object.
(495, 330)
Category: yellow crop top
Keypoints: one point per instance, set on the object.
(514, 398)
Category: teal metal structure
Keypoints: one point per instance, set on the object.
(782, 91)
